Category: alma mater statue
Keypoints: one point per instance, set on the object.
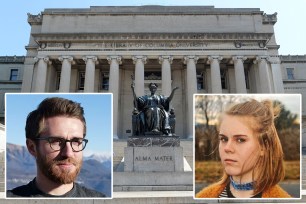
(150, 115)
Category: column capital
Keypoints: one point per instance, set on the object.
(162, 58)
(260, 58)
(190, 57)
(117, 58)
(69, 58)
(139, 57)
(211, 58)
(236, 58)
(93, 58)
(44, 58)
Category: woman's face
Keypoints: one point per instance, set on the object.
(238, 147)
(153, 89)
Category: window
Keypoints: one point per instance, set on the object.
(290, 74)
(200, 81)
(14, 75)
(223, 73)
(58, 79)
(104, 80)
(81, 81)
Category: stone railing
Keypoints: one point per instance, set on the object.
(293, 58)
(12, 59)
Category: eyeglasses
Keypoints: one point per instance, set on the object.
(59, 143)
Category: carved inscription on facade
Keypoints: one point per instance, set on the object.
(55, 44)
(142, 45)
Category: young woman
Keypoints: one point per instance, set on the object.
(250, 152)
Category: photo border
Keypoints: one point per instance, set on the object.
(248, 199)
(60, 198)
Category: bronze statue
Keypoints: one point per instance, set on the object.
(150, 115)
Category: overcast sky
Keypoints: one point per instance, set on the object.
(290, 28)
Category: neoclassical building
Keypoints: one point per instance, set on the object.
(200, 49)
(294, 79)
(11, 74)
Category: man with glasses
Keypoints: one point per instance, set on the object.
(55, 136)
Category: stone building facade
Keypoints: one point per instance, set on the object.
(11, 74)
(200, 49)
(294, 79)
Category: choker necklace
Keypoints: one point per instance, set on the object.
(242, 186)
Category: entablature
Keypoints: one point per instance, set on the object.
(158, 41)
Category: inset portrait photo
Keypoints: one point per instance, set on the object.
(58, 145)
(247, 146)
(2, 159)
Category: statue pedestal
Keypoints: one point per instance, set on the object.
(153, 159)
(153, 163)
(153, 154)
(154, 141)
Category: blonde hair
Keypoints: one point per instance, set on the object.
(269, 167)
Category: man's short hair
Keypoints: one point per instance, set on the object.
(51, 107)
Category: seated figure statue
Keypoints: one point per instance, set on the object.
(150, 115)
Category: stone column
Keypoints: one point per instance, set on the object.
(239, 74)
(40, 85)
(139, 62)
(114, 62)
(89, 84)
(191, 88)
(277, 75)
(216, 86)
(264, 74)
(28, 71)
(65, 73)
(165, 61)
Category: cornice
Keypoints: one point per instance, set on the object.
(293, 58)
(12, 59)
(154, 10)
(85, 37)
(271, 47)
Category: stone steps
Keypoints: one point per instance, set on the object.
(2, 186)
(152, 178)
(153, 188)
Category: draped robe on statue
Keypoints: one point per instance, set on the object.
(153, 114)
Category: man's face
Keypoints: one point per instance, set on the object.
(62, 166)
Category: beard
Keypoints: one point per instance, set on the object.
(49, 168)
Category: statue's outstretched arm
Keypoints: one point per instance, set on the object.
(172, 93)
